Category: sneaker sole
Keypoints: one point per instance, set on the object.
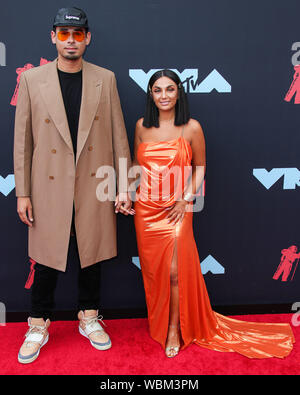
(97, 346)
(29, 360)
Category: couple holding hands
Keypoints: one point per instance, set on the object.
(68, 124)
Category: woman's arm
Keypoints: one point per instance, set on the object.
(178, 211)
(135, 170)
(198, 161)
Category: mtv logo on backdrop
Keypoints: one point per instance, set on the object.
(2, 55)
(291, 177)
(189, 79)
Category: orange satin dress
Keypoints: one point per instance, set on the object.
(156, 240)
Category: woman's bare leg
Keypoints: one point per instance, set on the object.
(173, 338)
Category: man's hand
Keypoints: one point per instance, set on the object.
(24, 209)
(123, 204)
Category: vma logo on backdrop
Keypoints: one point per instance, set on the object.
(294, 89)
(209, 264)
(7, 184)
(19, 71)
(2, 55)
(288, 264)
(291, 177)
(189, 79)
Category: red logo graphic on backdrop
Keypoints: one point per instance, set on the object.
(295, 87)
(288, 264)
(19, 71)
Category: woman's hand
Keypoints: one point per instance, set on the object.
(123, 204)
(177, 212)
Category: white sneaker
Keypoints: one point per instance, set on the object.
(36, 338)
(90, 327)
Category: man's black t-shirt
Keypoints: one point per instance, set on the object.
(71, 88)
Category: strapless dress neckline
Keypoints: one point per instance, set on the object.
(165, 141)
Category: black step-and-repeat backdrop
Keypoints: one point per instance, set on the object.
(238, 62)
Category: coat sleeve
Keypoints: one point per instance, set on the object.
(23, 141)
(121, 151)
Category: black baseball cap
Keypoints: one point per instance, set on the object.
(71, 16)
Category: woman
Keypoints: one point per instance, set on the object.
(179, 310)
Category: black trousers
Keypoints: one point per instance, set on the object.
(45, 280)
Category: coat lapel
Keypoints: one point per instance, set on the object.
(91, 92)
(51, 93)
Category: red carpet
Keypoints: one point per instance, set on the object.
(134, 353)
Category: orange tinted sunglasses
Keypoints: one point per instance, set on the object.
(78, 35)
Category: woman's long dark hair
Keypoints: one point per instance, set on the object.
(182, 112)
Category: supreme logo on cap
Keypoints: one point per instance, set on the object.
(77, 18)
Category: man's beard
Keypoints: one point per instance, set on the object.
(72, 57)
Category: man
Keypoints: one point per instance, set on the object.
(68, 124)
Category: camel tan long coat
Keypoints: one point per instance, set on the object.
(46, 170)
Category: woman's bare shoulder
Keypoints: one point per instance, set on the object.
(195, 131)
(140, 129)
(195, 126)
(139, 123)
